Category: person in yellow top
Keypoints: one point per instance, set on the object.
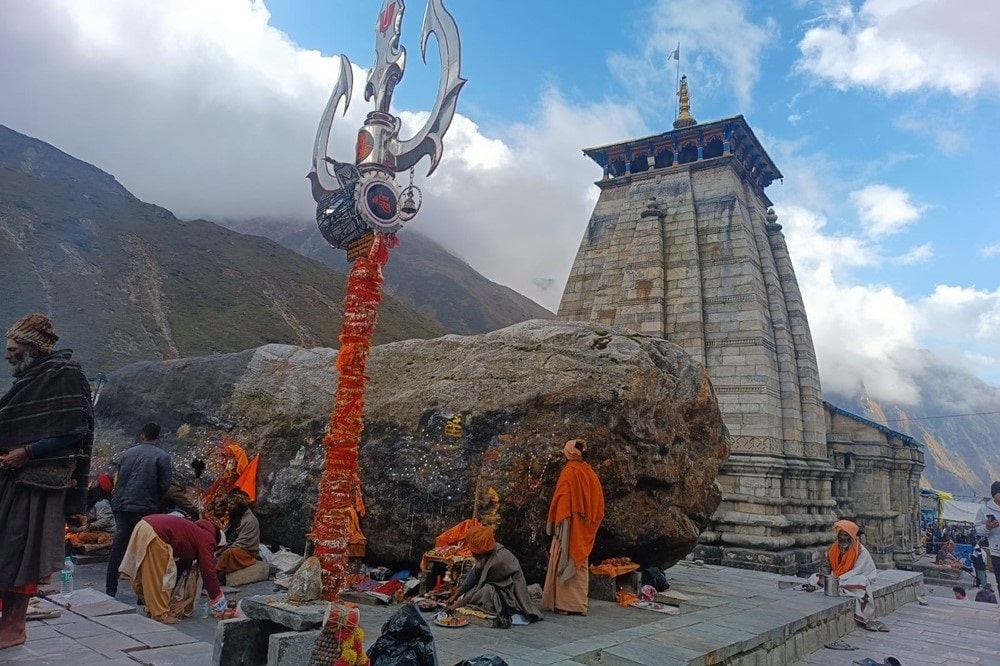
(575, 514)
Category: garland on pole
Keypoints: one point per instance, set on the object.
(340, 484)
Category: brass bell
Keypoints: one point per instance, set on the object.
(408, 206)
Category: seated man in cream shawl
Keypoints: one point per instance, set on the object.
(853, 565)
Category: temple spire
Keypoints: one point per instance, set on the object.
(684, 118)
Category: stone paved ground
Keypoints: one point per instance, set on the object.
(725, 606)
(946, 631)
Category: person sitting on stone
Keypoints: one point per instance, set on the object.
(986, 594)
(853, 565)
(242, 535)
(946, 557)
(99, 522)
(496, 584)
(959, 592)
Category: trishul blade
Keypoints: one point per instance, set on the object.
(427, 141)
(323, 180)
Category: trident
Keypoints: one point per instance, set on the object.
(360, 207)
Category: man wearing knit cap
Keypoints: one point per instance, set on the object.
(46, 418)
(988, 525)
(496, 584)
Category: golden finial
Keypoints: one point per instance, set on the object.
(684, 118)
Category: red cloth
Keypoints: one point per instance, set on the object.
(105, 483)
(456, 534)
(190, 541)
(580, 498)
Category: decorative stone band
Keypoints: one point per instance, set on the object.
(755, 444)
(748, 389)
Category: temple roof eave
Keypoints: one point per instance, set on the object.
(596, 153)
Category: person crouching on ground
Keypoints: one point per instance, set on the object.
(959, 592)
(575, 513)
(149, 561)
(242, 535)
(853, 565)
(496, 584)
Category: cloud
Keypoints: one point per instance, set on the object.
(916, 255)
(867, 334)
(709, 53)
(990, 251)
(199, 106)
(884, 210)
(900, 46)
(522, 224)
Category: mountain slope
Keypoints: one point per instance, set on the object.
(957, 420)
(421, 273)
(125, 280)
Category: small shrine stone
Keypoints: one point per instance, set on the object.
(307, 583)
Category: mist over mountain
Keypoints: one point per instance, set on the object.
(421, 273)
(125, 280)
(957, 418)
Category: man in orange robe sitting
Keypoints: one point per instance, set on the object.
(575, 513)
(853, 565)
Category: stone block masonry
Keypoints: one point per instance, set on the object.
(693, 253)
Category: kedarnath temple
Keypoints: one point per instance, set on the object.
(683, 244)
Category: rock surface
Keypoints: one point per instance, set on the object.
(444, 417)
(307, 583)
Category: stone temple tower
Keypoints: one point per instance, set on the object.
(683, 245)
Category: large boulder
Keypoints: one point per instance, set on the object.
(447, 418)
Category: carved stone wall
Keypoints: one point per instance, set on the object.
(877, 484)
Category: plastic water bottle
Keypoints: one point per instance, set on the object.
(204, 609)
(66, 578)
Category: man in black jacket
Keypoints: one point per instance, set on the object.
(144, 476)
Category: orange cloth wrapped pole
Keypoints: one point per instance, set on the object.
(340, 484)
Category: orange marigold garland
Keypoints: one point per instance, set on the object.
(341, 642)
(340, 484)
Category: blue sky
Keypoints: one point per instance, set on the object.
(879, 113)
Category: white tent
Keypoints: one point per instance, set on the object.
(955, 511)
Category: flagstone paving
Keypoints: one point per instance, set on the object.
(729, 616)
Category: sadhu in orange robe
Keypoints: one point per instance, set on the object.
(575, 513)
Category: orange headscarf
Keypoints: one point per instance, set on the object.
(480, 540)
(578, 497)
(843, 561)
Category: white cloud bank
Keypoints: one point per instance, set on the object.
(901, 46)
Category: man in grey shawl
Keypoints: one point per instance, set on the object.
(46, 435)
(496, 584)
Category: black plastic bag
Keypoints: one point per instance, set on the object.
(483, 660)
(654, 576)
(406, 640)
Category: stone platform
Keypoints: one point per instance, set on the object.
(731, 616)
